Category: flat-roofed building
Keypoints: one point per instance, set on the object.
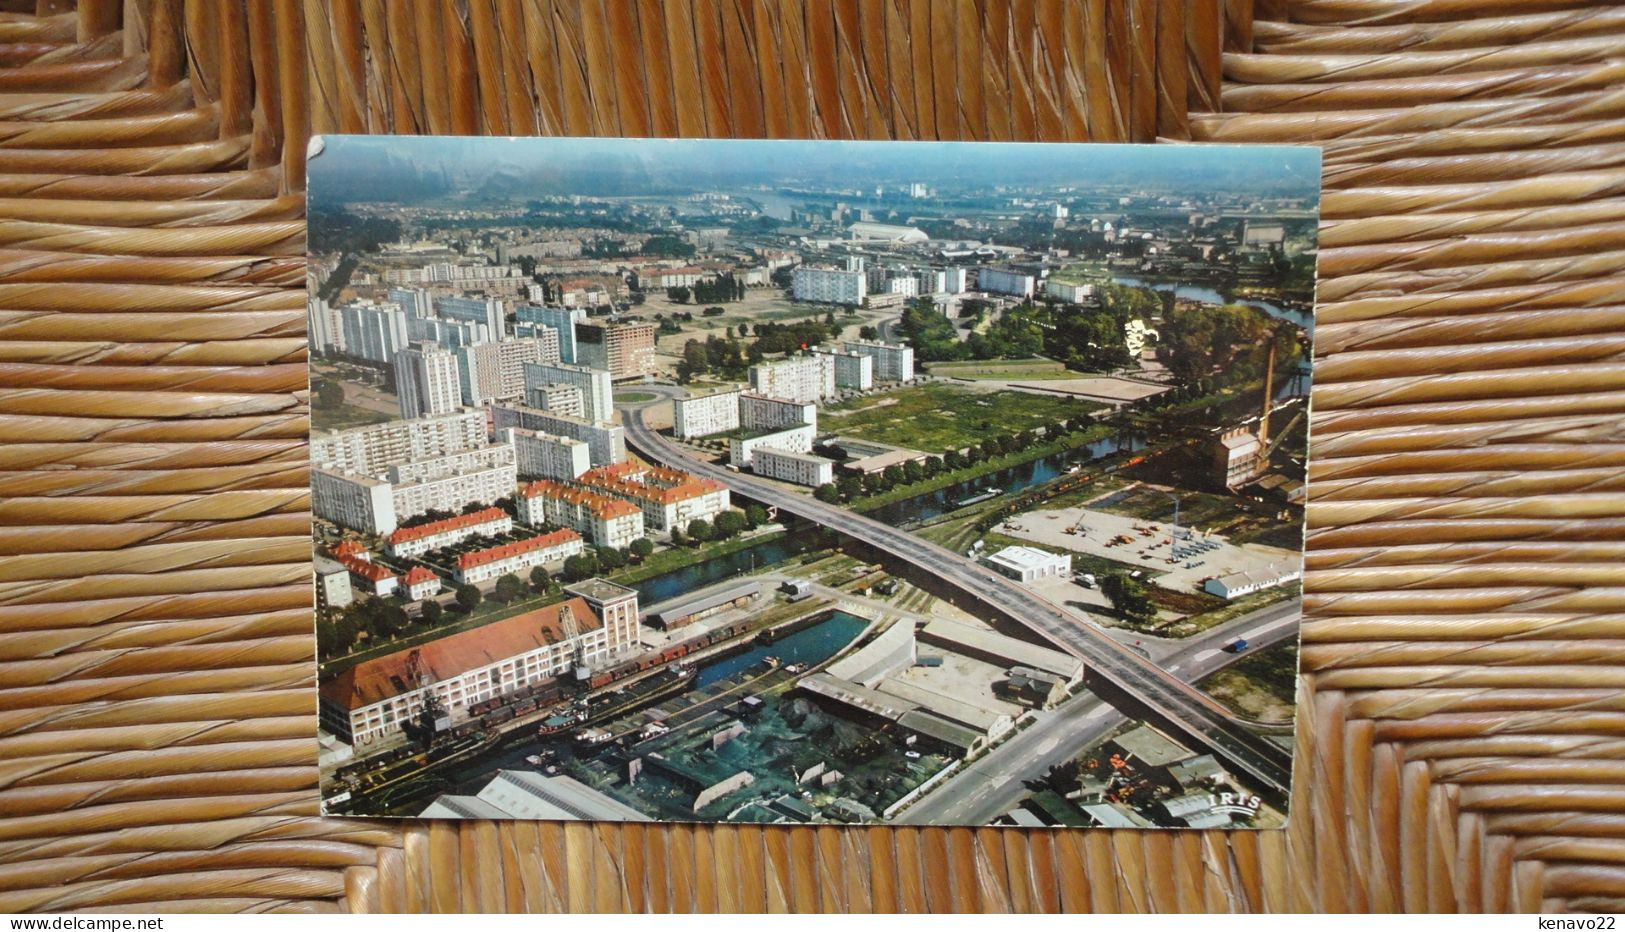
(427, 381)
(760, 412)
(479, 373)
(788, 466)
(1071, 294)
(516, 557)
(451, 334)
(371, 448)
(547, 456)
(743, 444)
(416, 539)
(597, 394)
(606, 443)
(1235, 457)
(1029, 564)
(377, 503)
(604, 521)
(829, 286)
(886, 232)
(371, 700)
(623, 350)
(487, 311)
(332, 583)
(702, 415)
(852, 370)
(530, 318)
(1006, 281)
(372, 332)
(894, 362)
(668, 498)
(805, 378)
(557, 398)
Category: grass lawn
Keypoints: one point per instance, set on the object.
(1007, 369)
(1262, 686)
(635, 397)
(937, 418)
(346, 416)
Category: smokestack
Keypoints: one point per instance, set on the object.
(1269, 391)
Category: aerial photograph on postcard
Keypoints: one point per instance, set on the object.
(809, 482)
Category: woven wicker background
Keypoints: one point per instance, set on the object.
(1463, 745)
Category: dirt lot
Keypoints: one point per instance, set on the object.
(759, 305)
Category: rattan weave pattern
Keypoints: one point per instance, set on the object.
(1463, 745)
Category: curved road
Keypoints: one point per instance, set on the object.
(1199, 717)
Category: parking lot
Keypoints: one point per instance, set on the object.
(1147, 544)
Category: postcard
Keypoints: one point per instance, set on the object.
(809, 482)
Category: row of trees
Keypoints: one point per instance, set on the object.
(727, 524)
(720, 290)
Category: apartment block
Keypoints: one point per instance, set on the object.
(605, 521)
(547, 456)
(800, 378)
(702, 415)
(606, 443)
(427, 381)
(623, 350)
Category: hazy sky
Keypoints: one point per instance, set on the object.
(564, 165)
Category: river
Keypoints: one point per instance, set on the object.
(1211, 296)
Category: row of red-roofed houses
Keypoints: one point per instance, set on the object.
(422, 538)
(607, 522)
(371, 577)
(515, 557)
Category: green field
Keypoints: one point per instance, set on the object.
(937, 418)
(635, 398)
(1004, 369)
(346, 416)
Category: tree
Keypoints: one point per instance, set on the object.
(508, 588)
(755, 516)
(329, 395)
(867, 332)
(642, 548)
(468, 597)
(611, 558)
(678, 294)
(729, 523)
(1128, 596)
(678, 538)
(430, 613)
(893, 475)
(851, 487)
(701, 530)
(540, 579)
(828, 492)
(580, 566)
(913, 471)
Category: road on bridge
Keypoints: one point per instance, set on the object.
(1176, 703)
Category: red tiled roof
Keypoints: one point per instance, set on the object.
(347, 548)
(451, 656)
(651, 483)
(602, 506)
(504, 551)
(366, 569)
(418, 574)
(419, 531)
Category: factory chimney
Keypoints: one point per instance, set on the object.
(1264, 413)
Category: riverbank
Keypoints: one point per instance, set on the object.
(1070, 441)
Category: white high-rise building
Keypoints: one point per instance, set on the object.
(1005, 281)
(452, 334)
(488, 311)
(702, 415)
(759, 412)
(372, 448)
(547, 456)
(372, 332)
(894, 362)
(799, 378)
(326, 331)
(606, 443)
(597, 394)
(529, 318)
(416, 302)
(829, 286)
(852, 370)
(427, 380)
(479, 373)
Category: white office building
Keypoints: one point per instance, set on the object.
(416, 302)
(547, 456)
(606, 443)
(800, 468)
(372, 448)
(759, 412)
(561, 320)
(427, 380)
(894, 362)
(852, 370)
(1006, 281)
(372, 332)
(800, 378)
(487, 311)
(742, 449)
(829, 286)
(597, 393)
(702, 415)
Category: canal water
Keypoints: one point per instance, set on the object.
(811, 645)
(1212, 296)
(1012, 479)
